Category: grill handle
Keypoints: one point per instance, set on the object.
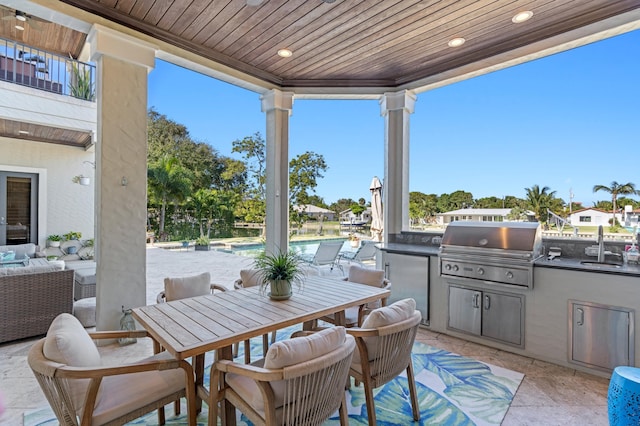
(475, 302)
(487, 302)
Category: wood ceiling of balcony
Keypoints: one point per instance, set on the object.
(349, 42)
(40, 133)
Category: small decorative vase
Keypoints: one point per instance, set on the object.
(280, 289)
(54, 243)
(127, 323)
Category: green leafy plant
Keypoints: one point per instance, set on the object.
(81, 86)
(73, 235)
(202, 241)
(281, 266)
(88, 243)
(54, 237)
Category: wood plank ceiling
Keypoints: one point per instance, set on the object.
(346, 44)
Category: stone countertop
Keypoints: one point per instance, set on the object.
(632, 269)
(410, 249)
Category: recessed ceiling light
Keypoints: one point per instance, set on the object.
(20, 16)
(23, 132)
(254, 2)
(455, 42)
(522, 16)
(284, 53)
(19, 27)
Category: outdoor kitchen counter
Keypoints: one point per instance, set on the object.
(629, 269)
(410, 249)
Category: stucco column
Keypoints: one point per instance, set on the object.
(277, 105)
(121, 172)
(395, 108)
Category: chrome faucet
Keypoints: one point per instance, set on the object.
(600, 244)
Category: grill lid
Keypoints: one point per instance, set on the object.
(510, 236)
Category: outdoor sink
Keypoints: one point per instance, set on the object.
(597, 264)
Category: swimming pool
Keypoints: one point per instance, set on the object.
(304, 248)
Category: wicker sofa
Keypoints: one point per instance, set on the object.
(31, 297)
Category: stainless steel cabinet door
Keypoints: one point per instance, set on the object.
(502, 317)
(464, 310)
(409, 276)
(600, 336)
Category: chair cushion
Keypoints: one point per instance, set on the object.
(181, 288)
(396, 312)
(67, 342)
(300, 349)
(250, 277)
(378, 318)
(372, 277)
(122, 394)
(283, 354)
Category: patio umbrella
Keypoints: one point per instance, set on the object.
(376, 208)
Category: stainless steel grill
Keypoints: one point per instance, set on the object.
(492, 252)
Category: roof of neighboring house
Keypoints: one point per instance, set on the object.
(484, 212)
(591, 209)
(310, 208)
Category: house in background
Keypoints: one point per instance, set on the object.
(592, 217)
(350, 219)
(315, 212)
(481, 215)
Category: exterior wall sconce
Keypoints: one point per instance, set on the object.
(124, 181)
(82, 180)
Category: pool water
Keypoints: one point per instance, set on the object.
(303, 248)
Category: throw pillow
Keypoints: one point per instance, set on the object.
(372, 277)
(181, 288)
(300, 349)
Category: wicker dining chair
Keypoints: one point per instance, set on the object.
(251, 278)
(384, 344)
(373, 277)
(301, 381)
(82, 391)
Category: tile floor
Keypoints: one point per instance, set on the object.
(549, 394)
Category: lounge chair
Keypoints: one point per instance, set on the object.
(326, 254)
(366, 252)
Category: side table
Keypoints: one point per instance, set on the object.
(624, 396)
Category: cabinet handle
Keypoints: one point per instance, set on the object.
(474, 301)
(386, 270)
(580, 321)
(487, 303)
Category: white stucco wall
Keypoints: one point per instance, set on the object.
(65, 206)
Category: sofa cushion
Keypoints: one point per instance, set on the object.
(21, 250)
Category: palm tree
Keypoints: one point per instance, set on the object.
(168, 181)
(539, 200)
(616, 189)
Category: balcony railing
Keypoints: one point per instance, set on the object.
(28, 66)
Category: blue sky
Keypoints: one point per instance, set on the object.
(569, 121)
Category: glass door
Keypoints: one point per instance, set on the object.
(18, 208)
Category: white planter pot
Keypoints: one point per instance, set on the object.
(54, 243)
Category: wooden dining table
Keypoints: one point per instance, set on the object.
(191, 327)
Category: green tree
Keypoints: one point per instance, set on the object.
(254, 151)
(616, 189)
(539, 200)
(341, 205)
(454, 201)
(422, 206)
(489, 203)
(168, 181)
(304, 172)
(357, 208)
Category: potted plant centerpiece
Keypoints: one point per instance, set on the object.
(279, 272)
(354, 240)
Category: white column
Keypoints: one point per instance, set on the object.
(121, 172)
(277, 105)
(395, 108)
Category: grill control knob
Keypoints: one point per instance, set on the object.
(447, 267)
(455, 268)
(480, 271)
(509, 274)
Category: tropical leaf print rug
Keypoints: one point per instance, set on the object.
(452, 390)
